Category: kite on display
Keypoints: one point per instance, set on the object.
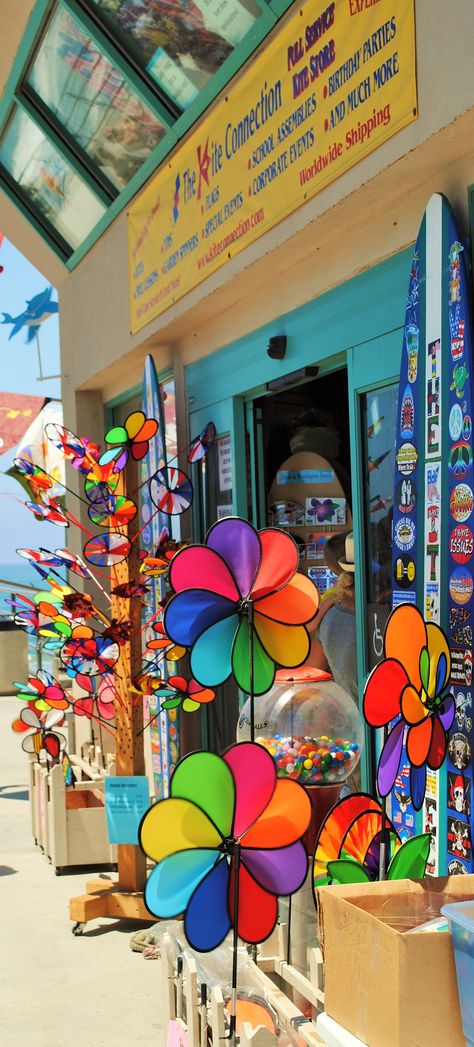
(38, 309)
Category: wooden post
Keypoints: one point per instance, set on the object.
(124, 899)
(129, 751)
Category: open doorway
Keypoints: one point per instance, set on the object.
(305, 466)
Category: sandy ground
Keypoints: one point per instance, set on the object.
(58, 989)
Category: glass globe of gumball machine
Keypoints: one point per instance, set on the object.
(313, 730)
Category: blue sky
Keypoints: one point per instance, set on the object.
(19, 373)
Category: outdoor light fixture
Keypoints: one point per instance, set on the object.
(277, 347)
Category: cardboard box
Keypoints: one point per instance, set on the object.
(389, 985)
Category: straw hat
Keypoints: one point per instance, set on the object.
(347, 563)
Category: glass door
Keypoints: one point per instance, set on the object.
(373, 371)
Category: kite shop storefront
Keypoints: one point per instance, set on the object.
(318, 424)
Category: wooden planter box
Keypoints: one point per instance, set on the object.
(69, 822)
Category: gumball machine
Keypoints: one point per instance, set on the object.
(313, 730)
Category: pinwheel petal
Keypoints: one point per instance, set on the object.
(437, 750)
(287, 645)
(171, 884)
(117, 435)
(419, 742)
(239, 545)
(258, 910)
(205, 779)
(390, 759)
(263, 666)
(197, 567)
(411, 706)
(189, 614)
(176, 825)
(446, 712)
(211, 655)
(440, 658)
(417, 786)
(280, 558)
(279, 871)
(139, 450)
(405, 637)
(207, 917)
(284, 820)
(254, 774)
(190, 706)
(383, 693)
(202, 695)
(296, 604)
(133, 424)
(147, 431)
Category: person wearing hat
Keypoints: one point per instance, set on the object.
(336, 628)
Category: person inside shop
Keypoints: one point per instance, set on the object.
(336, 625)
(334, 550)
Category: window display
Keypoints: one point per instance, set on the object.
(93, 101)
(180, 43)
(47, 181)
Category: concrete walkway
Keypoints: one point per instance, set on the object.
(56, 989)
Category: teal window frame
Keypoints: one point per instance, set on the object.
(15, 93)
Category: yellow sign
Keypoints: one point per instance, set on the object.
(336, 82)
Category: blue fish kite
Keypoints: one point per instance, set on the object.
(39, 309)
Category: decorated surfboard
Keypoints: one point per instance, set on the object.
(163, 746)
(433, 518)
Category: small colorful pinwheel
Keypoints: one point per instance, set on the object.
(131, 438)
(43, 692)
(185, 694)
(43, 738)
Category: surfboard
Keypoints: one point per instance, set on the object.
(433, 514)
(163, 732)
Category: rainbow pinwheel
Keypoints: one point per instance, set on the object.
(348, 845)
(43, 738)
(43, 692)
(48, 510)
(201, 446)
(225, 815)
(108, 549)
(240, 580)
(186, 694)
(408, 687)
(131, 438)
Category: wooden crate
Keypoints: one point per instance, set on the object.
(68, 822)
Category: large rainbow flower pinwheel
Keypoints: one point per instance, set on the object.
(226, 812)
(408, 686)
(237, 577)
